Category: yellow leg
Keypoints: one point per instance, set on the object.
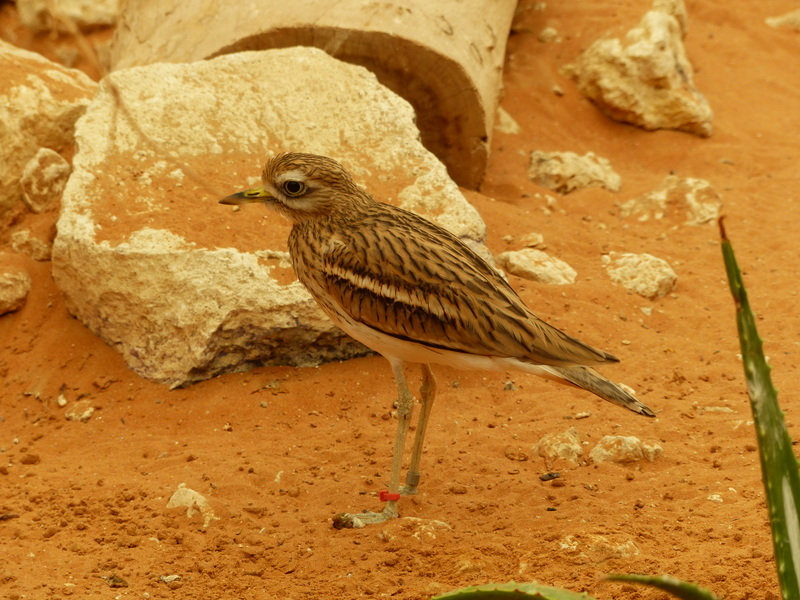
(427, 392)
(405, 406)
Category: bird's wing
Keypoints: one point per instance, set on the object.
(408, 278)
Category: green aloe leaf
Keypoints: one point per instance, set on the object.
(779, 466)
(676, 587)
(510, 591)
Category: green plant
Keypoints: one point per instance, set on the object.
(779, 467)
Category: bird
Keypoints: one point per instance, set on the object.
(415, 293)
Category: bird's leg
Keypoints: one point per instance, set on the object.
(405, 406)
(427, 393)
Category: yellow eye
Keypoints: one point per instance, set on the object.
(293, 187)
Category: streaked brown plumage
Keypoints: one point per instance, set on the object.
(413, 292)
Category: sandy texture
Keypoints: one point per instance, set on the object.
(277, 451)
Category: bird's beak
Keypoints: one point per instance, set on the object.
(255, 194)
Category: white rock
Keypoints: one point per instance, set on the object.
(39, 103)
(14, 287)
(138, 253)
(696, 197)
(565, 172)
(532, 240)
(81, 411)
(536, 265)
(85, 14)
(790, 20)
(505, 123)
(26, 242)
(548, 34)
(646, 79)
(560, 446)
(43, 180)
(623, 449)
(192, 501)
(644, 274)
(651, 451)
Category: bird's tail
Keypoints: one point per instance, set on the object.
(590, 380)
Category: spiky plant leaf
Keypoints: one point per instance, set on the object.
(779, 466)
(676, 587)
(512, 591)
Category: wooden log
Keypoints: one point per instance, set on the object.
(444, 56)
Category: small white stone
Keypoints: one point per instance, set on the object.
(623, 449)
(505, 123)
(184, 497)
(536, 265)
(81, 411)
(565, 172)
(14, 287)
(645, 274)
(560, 446)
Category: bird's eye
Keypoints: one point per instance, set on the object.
(293, 187)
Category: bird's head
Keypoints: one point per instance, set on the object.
(302, 187)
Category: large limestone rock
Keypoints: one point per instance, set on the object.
(39, 104)
(646, 79)
(184, 287)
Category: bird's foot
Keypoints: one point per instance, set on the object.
(412, 481)
(358, 520)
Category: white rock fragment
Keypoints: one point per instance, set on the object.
(548, 34)
(646, 79)
(696, 197)
(26, 242)
(533, 240)
(536, 265)
(790, 20)
(565, 172)
(651, 451)
(192, 501)
(560, 446)
(43, 180)
(15, 284)
(644, 274)
(81, 411)
(623, 449)
(505, 123)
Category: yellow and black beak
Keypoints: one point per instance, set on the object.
(256, 194)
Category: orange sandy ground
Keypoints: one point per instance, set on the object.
(278, 451)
